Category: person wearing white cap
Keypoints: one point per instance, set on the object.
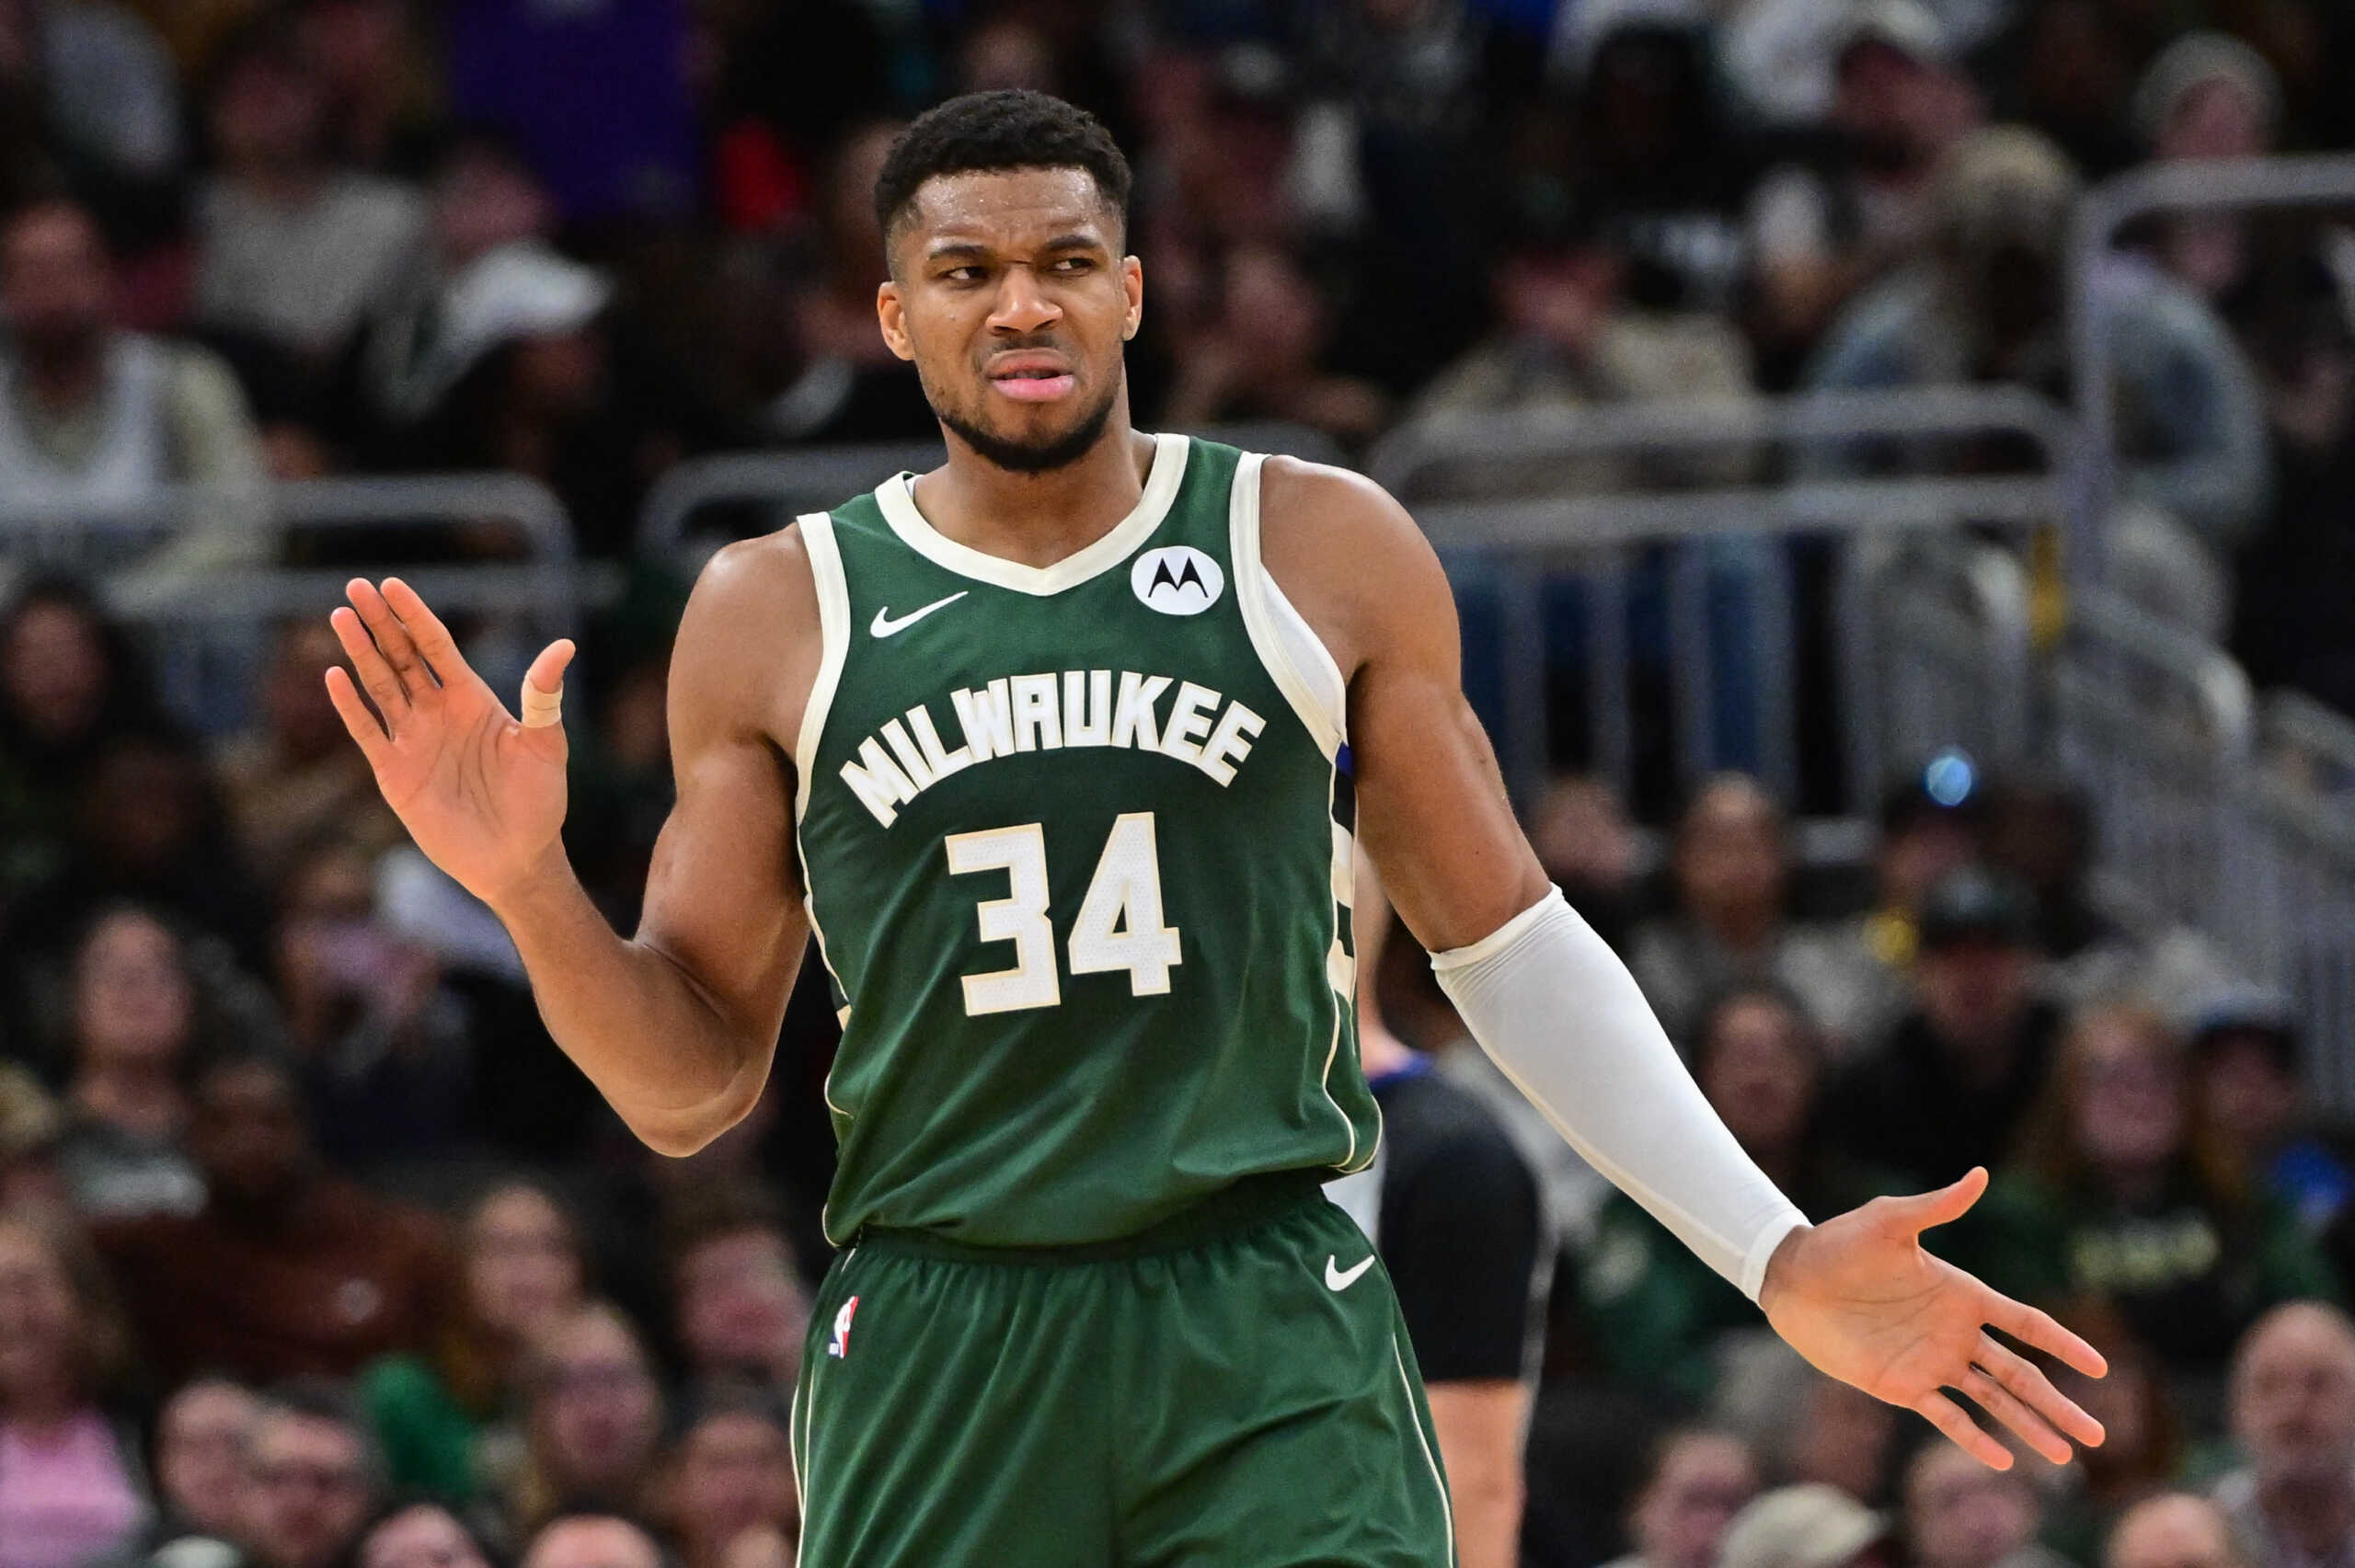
(1821, 229)
(1808, 1526)
(2207, 95)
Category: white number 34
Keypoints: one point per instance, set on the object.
(1118, 926)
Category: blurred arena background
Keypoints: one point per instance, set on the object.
(1896, 463)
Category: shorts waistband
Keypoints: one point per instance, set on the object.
(1242, 1205)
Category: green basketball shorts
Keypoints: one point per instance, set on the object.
(1232, 1389)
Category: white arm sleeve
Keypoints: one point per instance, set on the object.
(1561, 1015)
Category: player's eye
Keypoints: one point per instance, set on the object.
(962, 274)
(1071, 264)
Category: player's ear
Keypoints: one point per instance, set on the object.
(891, 312)
(1132, 283)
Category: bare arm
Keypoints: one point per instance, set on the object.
(676, 1026)
(1479, 1425)
(1857, 1295)
(1431, 807)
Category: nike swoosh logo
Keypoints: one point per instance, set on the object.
(885, 626)
(1337, 1278)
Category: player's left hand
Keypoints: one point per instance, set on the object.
(1859, 1299)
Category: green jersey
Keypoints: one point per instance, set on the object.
(1076, 844)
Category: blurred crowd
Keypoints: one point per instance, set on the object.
(315, 1251)
(300, 237)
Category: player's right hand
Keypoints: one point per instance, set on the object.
(482, 794)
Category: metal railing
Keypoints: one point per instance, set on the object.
(203, 576)
(782, 484)
(2187, 186)
(1716, 557)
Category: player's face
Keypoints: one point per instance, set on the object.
(1008, 293)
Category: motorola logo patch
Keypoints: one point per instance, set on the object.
(1176, 579)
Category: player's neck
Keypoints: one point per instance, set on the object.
(1038, 519)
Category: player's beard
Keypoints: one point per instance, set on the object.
(1019, 456)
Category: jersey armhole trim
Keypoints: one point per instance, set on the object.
(1294, 656)
(834, 630)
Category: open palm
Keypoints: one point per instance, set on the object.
(482, 794)
(1860, 1299)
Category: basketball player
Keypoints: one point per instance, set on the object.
(1059, 750)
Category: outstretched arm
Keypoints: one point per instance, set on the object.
(1857, 1295)
(677, 1025)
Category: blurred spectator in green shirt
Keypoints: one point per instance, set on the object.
(2115, 1192)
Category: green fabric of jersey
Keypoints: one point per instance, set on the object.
(1078, 856)
(1244, 1398)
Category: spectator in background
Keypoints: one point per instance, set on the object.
(201, 1438)
(592, 1420)
(292, 249)
(1652, 158)
(2173, 1529)
(2118, 1195)
(381, 1043)
(90, 414)
(70, 1487)
(2252, 1101)
(2293, 1417)
(100, 83)
(149, 827)
(137, 1020)
(1807, 1526)
(1821, 228)
(1698, 1480)
(842, 383)
(2293, 580)
(1982, 302)
(294, 774)
(728, 1496)
(287, 1270)
(1959, 1513)
(1947, 1087)
(417, 1535)
(487, 208)
(70, 682)
(2040, 828)
(312, 1476)
(593, 1540)
(1569, 337)
(1386, 144)
(380, 86)
(499, 352)
(2207, 95)
(740, 1305)
(1456, 1219)
(1261, 355)
(1925, 833)
(1730, 866)
(1661, 1318)
(444, 1416)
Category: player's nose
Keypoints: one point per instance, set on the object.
(1022, 305)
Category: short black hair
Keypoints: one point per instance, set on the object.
(1010, 128)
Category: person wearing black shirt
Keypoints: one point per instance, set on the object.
(1950, 1083)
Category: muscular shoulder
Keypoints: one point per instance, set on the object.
(1349, 557)
(750, 645)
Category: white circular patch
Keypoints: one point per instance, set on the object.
(1176, 579)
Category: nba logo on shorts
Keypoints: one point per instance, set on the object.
(840, 1345)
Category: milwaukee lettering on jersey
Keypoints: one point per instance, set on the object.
(1047, 713)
